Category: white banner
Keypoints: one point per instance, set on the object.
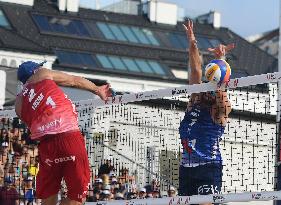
(198, 199)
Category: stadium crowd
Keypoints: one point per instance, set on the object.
(19, 165)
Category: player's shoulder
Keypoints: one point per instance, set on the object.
(42, 74)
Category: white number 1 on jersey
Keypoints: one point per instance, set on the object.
(50, 102)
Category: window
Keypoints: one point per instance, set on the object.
(117, 32)
(117, 63)
(144, 66)
(104, 61)
(109, 62)
(150, 37)
(42, 22)
(132, 65)
(3, 20)
(156, 67)
(177, 40)
(106, 31)
(4, 62)
(13, 63)
(127, 33)
(140, 35)
(180, 41)
(203, 43)
(61, 25)
(72, 58)
(214, 42)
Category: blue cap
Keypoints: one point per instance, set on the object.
(26, 70)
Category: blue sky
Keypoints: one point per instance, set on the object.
(245, 17)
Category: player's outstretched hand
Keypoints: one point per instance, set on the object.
(104, 92)
(188, 27)
(221, 50)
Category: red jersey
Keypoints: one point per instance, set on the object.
(46, 109)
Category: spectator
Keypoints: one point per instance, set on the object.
(25, 155)
(142, 193)
(17, 162)
(156, 194)
(91, 195)
(97, 196)
(8, 193)
(106, 195)
(33, 167)
(132, 195)
(105, 179)
(28, 141)
(119, 196)
(29, 192)
(114, 185)
(107, 187)
(25, 161)
(106, 168)
(112, 174)
(4, 135)
(155, 185)
(98, 183)
(4, 152)
(149, 195)
(15, 135)
(171, 192)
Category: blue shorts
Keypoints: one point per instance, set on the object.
(200, 180)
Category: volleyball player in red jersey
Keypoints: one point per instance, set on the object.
(52, 119)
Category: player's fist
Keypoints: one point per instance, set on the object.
(104, 92)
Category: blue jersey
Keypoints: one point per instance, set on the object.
(202, 135)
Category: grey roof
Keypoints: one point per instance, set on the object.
(246, 59)
(269, 42)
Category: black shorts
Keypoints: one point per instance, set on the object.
(200, 180)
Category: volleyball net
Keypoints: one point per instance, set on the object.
(138, 134)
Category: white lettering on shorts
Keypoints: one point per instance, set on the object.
(60, 160)
(48, 162)
(208, 189)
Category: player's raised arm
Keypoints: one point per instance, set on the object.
(67, 80)
(223, 104)
(194, 57)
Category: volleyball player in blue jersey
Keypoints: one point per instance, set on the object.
(202, 128)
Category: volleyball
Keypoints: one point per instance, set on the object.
(218, 71)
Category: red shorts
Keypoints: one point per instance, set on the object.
(63, 156)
